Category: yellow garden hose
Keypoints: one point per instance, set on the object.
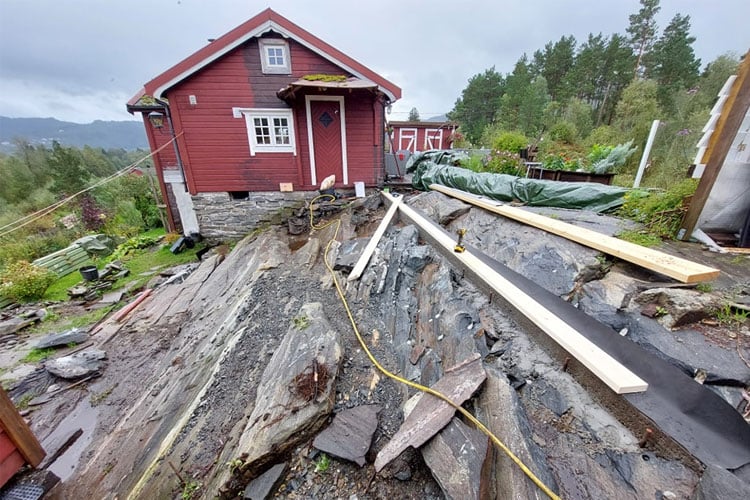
(393, 376)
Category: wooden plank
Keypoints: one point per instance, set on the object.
(619, 378)
(675, 267)
(732, 115)
(15, 426)
(359, 268)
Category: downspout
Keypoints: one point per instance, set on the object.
(165, 105)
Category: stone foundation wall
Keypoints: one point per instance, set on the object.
(221, 218)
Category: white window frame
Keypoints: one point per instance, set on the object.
(411, 135)
(250, 114)
(437, 134)
(274, 43)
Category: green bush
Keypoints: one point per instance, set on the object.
(23, 281)
(504, 162)
(564, 132)
(512, 142)
(660, 211)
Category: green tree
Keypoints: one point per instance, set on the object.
(69, 175)
(476, 107)
(672, 61)
(642, 31)
(414, 115)
(18, 181)
(96, 162)
(554, 64)
(522, 106)
(637, 109)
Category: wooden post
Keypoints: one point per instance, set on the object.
(18, 432)
(727, 126)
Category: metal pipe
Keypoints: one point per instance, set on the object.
(165, 105)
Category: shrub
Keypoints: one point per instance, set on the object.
(23, 281)
(512, 142)
(504, 162)
(564, 132)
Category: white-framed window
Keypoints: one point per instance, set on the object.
(268, 130)
(274, 56)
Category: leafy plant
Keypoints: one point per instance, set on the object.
(503, 162)
(511, 142)
(23, 281)
(616, 157)
(135, 243)
(727, 315)
(322, 464)
(301, 322)
(190, 489)
(704, 287)
(660, 211)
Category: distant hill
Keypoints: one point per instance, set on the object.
(128, 135)
(438, 118)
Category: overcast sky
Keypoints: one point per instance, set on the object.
(81, 60)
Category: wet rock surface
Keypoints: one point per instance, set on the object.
(194, 357)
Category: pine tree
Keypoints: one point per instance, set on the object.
(554, 64)
(672, 60)
(476, 107)
(522, 105)
(642, 31)
(414, 115)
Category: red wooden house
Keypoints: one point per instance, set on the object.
(421, 136)
(266, 108)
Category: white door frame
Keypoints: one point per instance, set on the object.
(438, 136)
(412, 143)
(340, 100)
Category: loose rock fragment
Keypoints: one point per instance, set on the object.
(350, 434)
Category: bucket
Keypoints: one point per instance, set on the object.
(89, 273)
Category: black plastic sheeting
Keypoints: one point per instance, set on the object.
(693, 415)
(533, 192)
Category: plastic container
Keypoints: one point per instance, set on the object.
(89, 273)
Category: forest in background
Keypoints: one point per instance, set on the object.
(570, 98)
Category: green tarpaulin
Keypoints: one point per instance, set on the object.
(533, 192)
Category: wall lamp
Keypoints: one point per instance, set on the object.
(156, 119)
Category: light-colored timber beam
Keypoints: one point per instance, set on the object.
(359, 268)
(619, 378)
(680, 269)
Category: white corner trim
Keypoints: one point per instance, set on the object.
(412, 146)
(261, 29)
(429, 138)
(310, 142)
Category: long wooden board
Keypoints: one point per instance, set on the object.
(359, 268)
(619, 378)
(675, 267)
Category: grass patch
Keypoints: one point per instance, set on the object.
(36, 355)
(58, 291)
(149, 260)
(640, 238)
(23, 403)
(82, 321)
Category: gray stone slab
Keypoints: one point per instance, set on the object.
(260, 487)
(720, 483)
(350, 434)
(74, 335)
(455, 457)
(349, 253)
(432, 414)
(77, 365)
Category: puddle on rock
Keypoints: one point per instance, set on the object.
(82, 417)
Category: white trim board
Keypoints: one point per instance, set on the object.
(311, 146)
(359, 268)
(412, 146)
(680, 269)
(260, 30)
(610, 371)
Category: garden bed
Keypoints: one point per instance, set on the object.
(567, 176)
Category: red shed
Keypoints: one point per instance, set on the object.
(422, 136)
(266, 108)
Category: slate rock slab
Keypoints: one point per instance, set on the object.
(260, 487)
(349, 254)
(455, 457)
(432, 414)
(77, 365)
(73, 335)
(350, 434)
(295, 394)
(720, 483)
(681, 307)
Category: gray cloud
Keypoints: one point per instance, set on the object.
(81, 60)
